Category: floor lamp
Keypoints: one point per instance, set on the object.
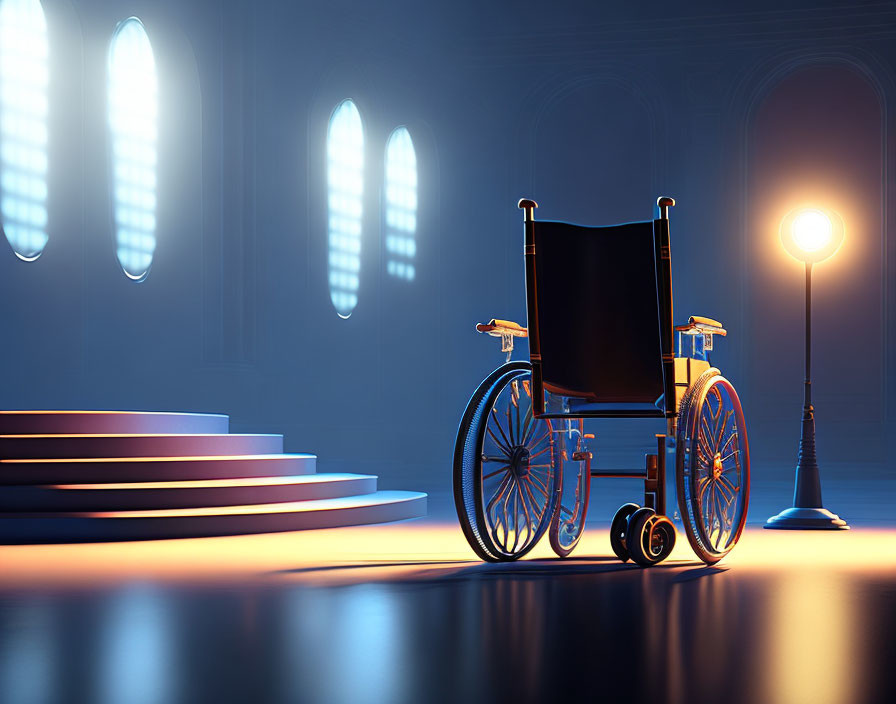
(810, 235)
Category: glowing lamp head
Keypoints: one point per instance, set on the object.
(812, 230)
(811, 234)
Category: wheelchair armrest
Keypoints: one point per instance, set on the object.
(499, 328)
(698, 325)
(506, 330)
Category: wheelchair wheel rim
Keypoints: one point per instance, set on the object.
(714, 468)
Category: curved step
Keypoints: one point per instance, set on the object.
(381, 507)
(139, 445)
(183, 494)
(151, 469)
(121, 422)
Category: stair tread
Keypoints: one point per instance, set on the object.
(213, 483)
(37, 412)
(160, 458)
(60, 445)
(37, 422)
(153, 468)
(44, 436)
(380, 507)
(315, 505)
(179, 493)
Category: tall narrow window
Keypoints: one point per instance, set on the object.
(401, 205)
(345, 185)
(133, 111)
(23, 126)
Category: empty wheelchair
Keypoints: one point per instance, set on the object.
(601, 345)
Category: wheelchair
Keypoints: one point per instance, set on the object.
(601, 339)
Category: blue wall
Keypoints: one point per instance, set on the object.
(591, 109)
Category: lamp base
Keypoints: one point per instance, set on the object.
(806, 519)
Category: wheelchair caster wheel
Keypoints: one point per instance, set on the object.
(619, 529)
(649, 538)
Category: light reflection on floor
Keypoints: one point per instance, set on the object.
(401, 613)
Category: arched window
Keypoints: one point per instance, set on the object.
(345, 190)
(23, 126)
(401, 205)
(133, 111)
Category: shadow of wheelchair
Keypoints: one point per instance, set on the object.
(436, 571)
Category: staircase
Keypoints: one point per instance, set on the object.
(84, 476)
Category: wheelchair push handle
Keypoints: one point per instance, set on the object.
(664, 203)
(528, 206)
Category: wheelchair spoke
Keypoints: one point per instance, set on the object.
(528, 426)
(516, 516)
(731, 454)
(722, 429)
(703, 459)
(533, 445)
(728, 485)
(732, 436)
(505, 468)
(506, 444)
(539, 485)
(537, 511)
(510, 426)
(706, 431)
(724, 491)
(499, 492)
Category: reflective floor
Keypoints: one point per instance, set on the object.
(400, 613)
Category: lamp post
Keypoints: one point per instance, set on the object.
(810, 235)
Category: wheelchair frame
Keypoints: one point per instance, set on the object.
(686, 381)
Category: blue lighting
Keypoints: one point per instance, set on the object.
(133, 112)
(345, 184)
(23, 126)
(401, 205)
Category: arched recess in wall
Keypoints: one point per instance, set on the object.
(816, 136)
(596, 154)
(133, 124)
(345, 205)
(24, 106)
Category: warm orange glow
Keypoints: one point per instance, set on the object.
(418, 550)
(811, 627)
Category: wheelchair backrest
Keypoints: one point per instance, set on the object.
(599, 317)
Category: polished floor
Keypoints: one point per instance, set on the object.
(401, 613)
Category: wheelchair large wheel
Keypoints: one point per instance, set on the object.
(505, 467)
(712, 466)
